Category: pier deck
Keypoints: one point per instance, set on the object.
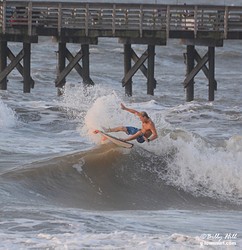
(84, 23)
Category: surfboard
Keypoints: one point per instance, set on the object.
(117, 141)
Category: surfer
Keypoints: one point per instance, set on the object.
(146, 133)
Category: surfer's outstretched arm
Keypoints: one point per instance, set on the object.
(133, 111)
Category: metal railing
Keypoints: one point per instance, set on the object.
(15, 15)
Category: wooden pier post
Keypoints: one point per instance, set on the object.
(151, 70)
(190, 67)
(127, 67)
(61, 65)
(27, 69)
(86, 65)
(3, 63)
(64, 70)
(211, 80)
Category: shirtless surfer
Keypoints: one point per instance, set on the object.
(146, 133)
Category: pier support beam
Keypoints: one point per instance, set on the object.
(61, 66)
(139, 62)
(211, 81)
(85, 65)
(64, 70)
(190, 67)
(130, 70)
(27, 69)
(151, 70)
(5, 70)
(208, 70)
(201, 65)
(127, 68)
(3, 63)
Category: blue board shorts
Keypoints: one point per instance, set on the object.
(132, 131)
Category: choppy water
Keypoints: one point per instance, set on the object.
(62, 189)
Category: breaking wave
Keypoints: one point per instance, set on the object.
(110, 178)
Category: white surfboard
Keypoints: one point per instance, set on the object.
(117, 141)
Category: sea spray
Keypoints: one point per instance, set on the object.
(7, 116)
(105, 112)
(204, 169)
(78, 98)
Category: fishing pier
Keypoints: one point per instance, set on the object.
(148, 24)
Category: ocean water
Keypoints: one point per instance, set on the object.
(62, 188)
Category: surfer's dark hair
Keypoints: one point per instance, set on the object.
(144, 114)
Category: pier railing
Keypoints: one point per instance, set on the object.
(108, 19)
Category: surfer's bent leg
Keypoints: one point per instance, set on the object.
(135, 134)
(138, 136)
(132, 130)
(116, 129)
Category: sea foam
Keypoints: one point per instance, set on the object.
(205, 169)
(7, 116)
